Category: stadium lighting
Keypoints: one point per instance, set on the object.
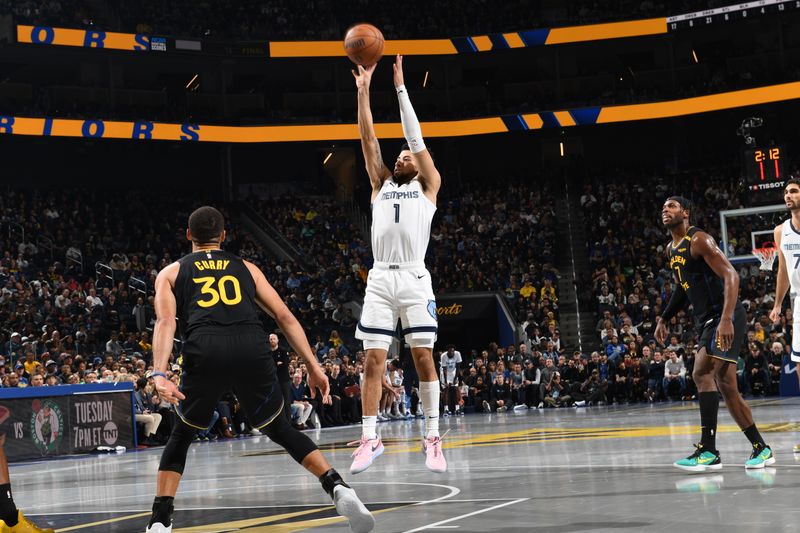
(191, 81)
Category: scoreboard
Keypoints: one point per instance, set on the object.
(764, 170)
(732, 13)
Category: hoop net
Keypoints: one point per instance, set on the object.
(766, 255)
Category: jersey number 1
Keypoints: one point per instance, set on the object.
(396, 213)
(220, 292)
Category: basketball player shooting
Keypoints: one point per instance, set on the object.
(707, 280)
(787, 240)
(399, 285)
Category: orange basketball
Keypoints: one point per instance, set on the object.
(363, 44)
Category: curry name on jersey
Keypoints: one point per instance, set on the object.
(214, 288)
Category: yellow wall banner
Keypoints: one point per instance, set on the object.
(191, 132)
(83, 38)
(94, 38)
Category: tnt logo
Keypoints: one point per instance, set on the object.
(110, 433)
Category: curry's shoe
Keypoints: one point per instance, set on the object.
(701, 460)
(796, 448)
(23, 525)
(761, 457)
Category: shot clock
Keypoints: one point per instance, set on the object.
(766, 164)
(764, 171)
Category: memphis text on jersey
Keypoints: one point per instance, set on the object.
(398, 195)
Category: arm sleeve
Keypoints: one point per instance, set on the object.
(411, 128)
(676, 303)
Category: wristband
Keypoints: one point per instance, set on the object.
(156, 374)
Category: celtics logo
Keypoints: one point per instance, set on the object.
(47, 424)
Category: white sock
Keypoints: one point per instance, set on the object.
(368, 425)
(429, 396)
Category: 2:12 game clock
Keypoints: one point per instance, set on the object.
(764, 168)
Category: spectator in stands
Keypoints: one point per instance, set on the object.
(479, 392)
(774, 363)
(301, 399)
(556, 394)
(12, 380)
(500, 396)
(113, 345)
(531, 383)
(615, 350)
(655, 377)
(756, 369)
(516, 380)
(674, 372)
(30, 363)
(592, 391)
(334, 411)
(144, 415)
(637, 380)
(13, 348)
(546, 380)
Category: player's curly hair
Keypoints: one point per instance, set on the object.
(206, 224)
(794, 180)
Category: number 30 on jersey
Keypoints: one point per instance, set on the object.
(220, 293)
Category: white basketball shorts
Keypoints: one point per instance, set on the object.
(401, 291)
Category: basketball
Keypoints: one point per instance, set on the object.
(363, 44)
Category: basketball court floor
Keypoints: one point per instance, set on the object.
(561, 470)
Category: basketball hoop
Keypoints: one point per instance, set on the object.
(766, 255)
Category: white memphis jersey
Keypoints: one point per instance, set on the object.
(401, 222)
(790, 248)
